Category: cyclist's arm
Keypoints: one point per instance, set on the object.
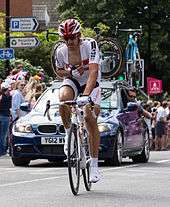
(61, 71)
(91, 81)
(93, 67)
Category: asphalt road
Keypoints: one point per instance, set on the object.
(46, 185)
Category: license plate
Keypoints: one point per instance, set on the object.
(52, 140)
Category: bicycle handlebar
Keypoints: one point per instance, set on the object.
(130, 30)
(49, 33)
(78, 103)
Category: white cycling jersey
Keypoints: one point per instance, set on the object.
(89, 52)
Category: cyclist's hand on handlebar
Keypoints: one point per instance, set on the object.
(76, 70)
(83, 100)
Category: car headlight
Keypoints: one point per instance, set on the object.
(104, 127)
(23, 128)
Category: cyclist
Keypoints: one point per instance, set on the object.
(77, 62)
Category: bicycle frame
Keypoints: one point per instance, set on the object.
(77, 120)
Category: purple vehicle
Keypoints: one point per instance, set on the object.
(123, 130)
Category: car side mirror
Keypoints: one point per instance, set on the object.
(132, 106)
(25, 107)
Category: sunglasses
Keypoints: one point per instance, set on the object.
(71, 37)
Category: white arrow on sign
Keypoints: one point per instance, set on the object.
(24, 42)
(23, 24)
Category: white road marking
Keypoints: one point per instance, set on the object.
(28, 170)
(57, 177)
(31, 181)
(162, 161)
(40, 171)
(118, 168)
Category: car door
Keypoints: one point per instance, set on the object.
(132, 124)
(134, 130)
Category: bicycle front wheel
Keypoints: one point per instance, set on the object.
(86, 170)
(111, 58)
(74, 160)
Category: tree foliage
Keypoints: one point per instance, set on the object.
(153, 15)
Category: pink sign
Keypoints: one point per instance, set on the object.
(154, 86)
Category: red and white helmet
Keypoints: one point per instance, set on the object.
(69, 28)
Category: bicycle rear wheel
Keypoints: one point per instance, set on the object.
(74, 160)
(53, 57)
(86, 171)
(111, 57)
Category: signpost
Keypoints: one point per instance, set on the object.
(19, 42)
(23, 24)
(6, 54)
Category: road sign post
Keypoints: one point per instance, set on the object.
(23, 24)
(22, 42)
(7, 34)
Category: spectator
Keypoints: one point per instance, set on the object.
(12, 87)
(153, 124)
(5, 105)
(17, 100)
(38, 91)
(160, 126)
(131, 97)
(147, 107)
(1, 82)
(168, 125)
(30, 89)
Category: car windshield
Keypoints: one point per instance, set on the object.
(51, 95)
(109, 99)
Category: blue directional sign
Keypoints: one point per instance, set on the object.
(23, 24)
(6, 54)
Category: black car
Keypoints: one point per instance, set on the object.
(40, 135)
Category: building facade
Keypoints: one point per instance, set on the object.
(45, 10)
(18, 7)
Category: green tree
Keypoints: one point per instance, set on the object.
(153, 15)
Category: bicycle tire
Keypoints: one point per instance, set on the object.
(53, 59)
(86, 171)
(73, 160)
(117, 56)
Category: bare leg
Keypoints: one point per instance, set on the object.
(92, 127)
(163, 140)
(157, 143)
(66, 93)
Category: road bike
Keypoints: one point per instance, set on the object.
(111, 55)
(78, 148)
(134, 65)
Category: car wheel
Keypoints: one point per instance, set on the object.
(116, 160)
(144, 156)
(20, 161)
